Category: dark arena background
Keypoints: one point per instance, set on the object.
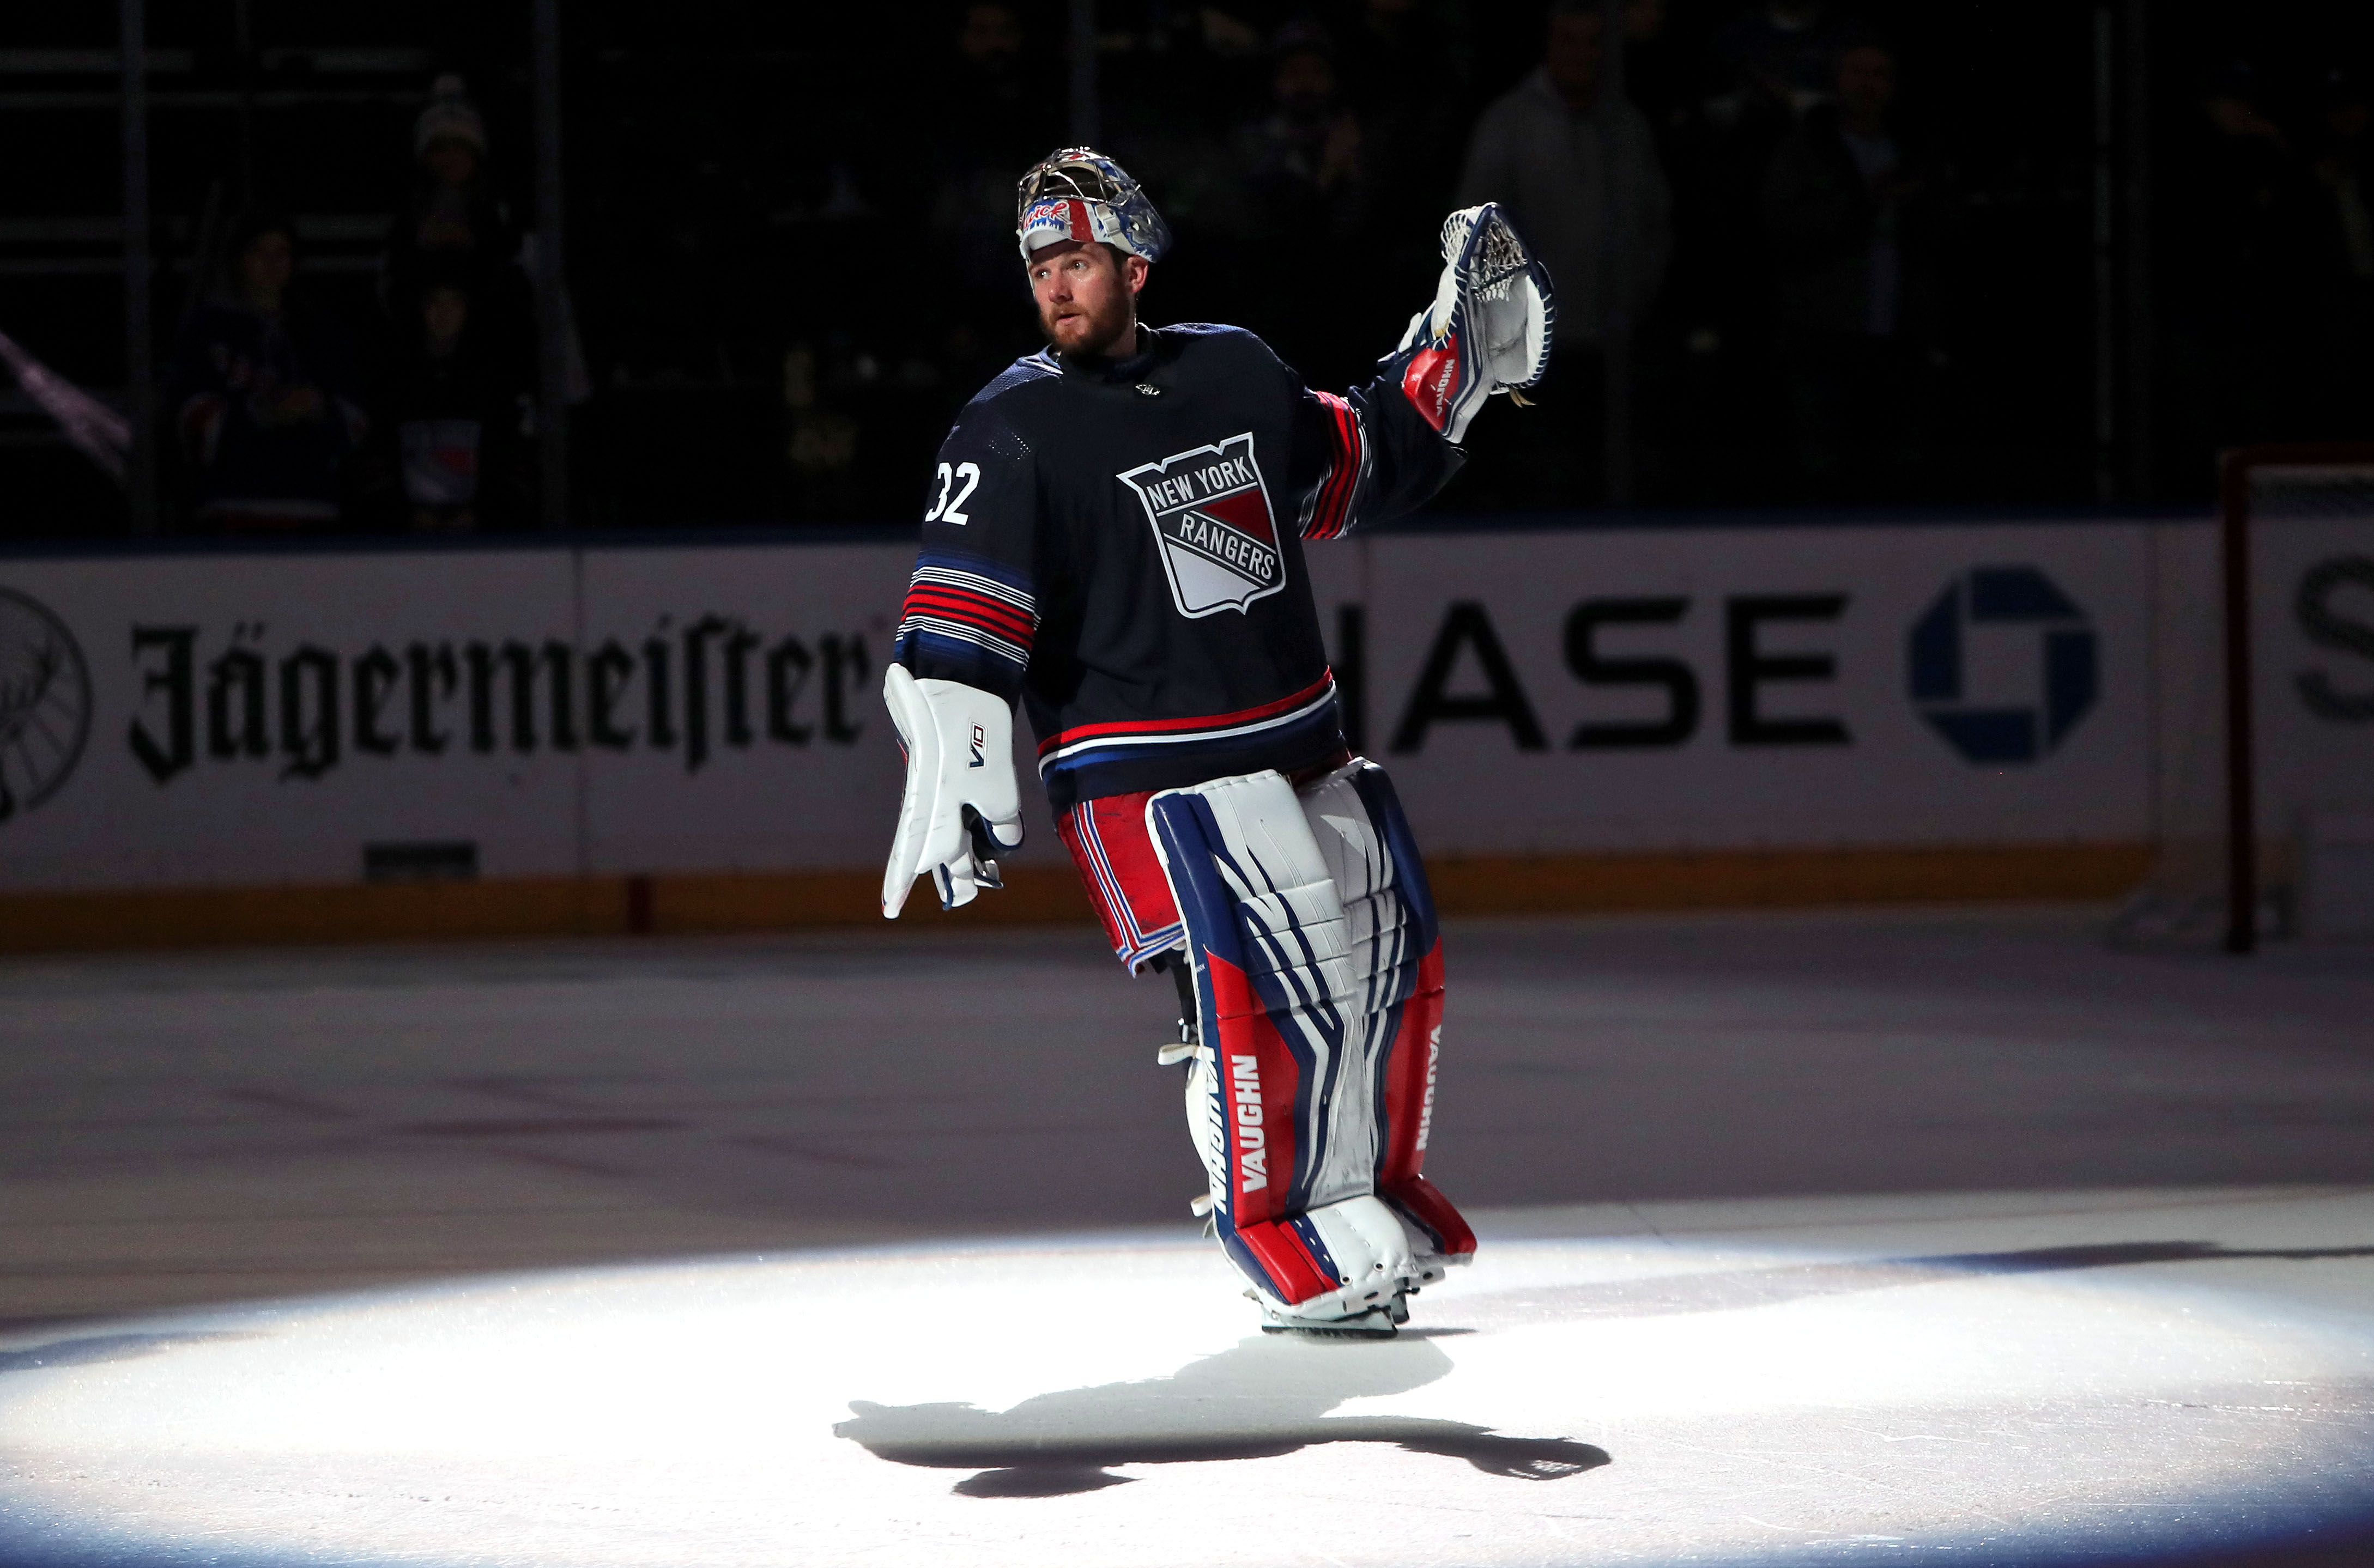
(1891, 728)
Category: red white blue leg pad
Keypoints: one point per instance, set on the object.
(1318, 972)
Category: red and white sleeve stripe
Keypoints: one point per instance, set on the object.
(1331, 509)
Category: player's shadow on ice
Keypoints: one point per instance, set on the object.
(1267, 1397)
(1732, 1289)
(91, 1350)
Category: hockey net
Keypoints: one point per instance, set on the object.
(2263, 806)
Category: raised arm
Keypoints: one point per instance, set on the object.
(1384, 448)
(1374, 455)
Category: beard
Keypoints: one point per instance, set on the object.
(1100, 333)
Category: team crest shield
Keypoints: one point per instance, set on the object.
(1211, 519)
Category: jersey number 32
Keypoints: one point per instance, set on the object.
(952, 510)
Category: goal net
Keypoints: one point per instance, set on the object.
(2264, 708)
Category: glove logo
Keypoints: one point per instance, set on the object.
(980, 739)
(1210, 512)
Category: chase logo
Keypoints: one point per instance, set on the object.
(2047, 664)
(45, 703)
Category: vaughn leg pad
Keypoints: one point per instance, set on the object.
(1340, 1261)
(1319, 995)
(1397, 949)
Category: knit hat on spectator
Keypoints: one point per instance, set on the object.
(449, 117)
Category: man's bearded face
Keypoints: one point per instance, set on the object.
(1087, 296)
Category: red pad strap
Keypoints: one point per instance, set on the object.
(1431, 1211)
(1409, 1075)
(1409, 1113)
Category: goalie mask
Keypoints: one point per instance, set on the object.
(1079, 193)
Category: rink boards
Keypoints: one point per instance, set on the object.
(1668, 694)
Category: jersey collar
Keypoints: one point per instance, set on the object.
(1152, 350)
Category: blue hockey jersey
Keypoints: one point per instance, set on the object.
(1118, 543)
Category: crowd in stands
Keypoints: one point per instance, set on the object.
(2272, 273)
(1751, 186)
(1744, 216)
(279, 428)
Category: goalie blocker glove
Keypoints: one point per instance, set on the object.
(960, 810)
(1488, 328)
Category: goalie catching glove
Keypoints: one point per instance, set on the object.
(960, 811)
(1488, 328)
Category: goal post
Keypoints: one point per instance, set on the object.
(2296, 528)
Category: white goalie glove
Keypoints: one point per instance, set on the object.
(960, 811)
(1488, 328)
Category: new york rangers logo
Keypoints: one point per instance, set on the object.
(1065, 218)
(1211, 518)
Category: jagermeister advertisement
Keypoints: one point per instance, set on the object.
(174, 719)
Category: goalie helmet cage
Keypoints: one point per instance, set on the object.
(2256, 484)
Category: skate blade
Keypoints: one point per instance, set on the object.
(1334, 1330)
(1376, 1323)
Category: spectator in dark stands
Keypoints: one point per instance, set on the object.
(1307, 173)
(2344, 332)
(1403, 67)
(1578, 172)
(1657, 72)
(1199, 70)
(1179, 85)
(457, 226)
(264, 396)
(994, 116)
(1304, 165)
(2242, 278)
(820, 442)
(1779, 57)
(448, 447)
(1768, 65)
(1841, 220)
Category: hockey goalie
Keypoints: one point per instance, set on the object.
(1114, 537)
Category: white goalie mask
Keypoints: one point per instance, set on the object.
(1079, 193)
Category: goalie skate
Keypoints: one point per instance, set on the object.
(1376, 1323)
